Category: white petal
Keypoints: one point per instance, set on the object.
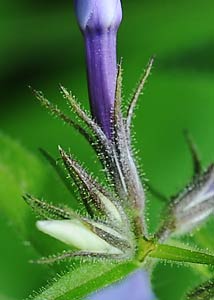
(99, 11)
(107, 10)
(84, 9)
(114, 214)
(75, 233)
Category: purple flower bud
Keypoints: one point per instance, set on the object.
(196, 203)
(99, 22)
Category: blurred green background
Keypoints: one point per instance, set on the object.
(41, 46)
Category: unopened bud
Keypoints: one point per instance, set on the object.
(77, 234)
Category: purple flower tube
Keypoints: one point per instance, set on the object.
(99, 22)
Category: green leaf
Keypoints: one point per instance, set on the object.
(204, 291)
(177, 254)
(19, 172)
(4, 297)
(88, 278)
(22, 172)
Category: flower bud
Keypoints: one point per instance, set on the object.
(191, 208)
(99, 21)
(75, 233)
(196, 203)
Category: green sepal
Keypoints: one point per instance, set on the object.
(46, 210)
(205, 291)
(177, 254)
(85, 279)
(58, 169)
